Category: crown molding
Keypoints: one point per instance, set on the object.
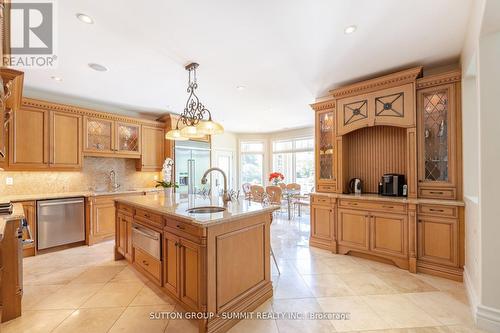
(382, 82)
(323, 105)
(46, 105)
(439, 79)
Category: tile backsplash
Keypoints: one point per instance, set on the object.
(93, 176)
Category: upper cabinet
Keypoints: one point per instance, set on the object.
(388, 100)
(65, 140)
(111, 138)
(438, 124)
(325, 142)
(153, 149)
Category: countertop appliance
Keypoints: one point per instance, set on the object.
(147, 240)
(192, 158)
(60, 222)
(355, 186)
(393, 184)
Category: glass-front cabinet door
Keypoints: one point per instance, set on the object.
(325, 148)
(98, 135)
(128, 138)
(437, 141)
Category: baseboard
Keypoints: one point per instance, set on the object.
(471, 292)
(488, 318)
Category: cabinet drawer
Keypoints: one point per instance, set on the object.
(185, 227)
(320, 199)
(148, 263)
(148, 217)
(326, 188)
(435, 193)
(372, 205)
(449, 211)
(125, 208)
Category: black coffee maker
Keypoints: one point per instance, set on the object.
(393, 184)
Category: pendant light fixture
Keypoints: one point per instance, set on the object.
(197, 120)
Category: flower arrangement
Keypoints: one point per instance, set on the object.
(276, 177)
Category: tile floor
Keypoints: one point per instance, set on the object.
(84, 290)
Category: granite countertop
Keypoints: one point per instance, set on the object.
(177, 204)
(371, 196)
(56, 195)
(17, 214)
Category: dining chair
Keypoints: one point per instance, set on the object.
(282, 185)
(274, 193)
(246, 190)
(256, 192)
(293, 186)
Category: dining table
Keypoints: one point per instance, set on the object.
(289, 195)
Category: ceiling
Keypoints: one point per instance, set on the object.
(285, 53)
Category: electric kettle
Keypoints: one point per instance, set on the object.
(355, 186)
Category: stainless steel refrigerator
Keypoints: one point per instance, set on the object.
(192, 159)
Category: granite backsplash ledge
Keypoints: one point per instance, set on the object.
(94, 176)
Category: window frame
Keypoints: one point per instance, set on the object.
(252, 152)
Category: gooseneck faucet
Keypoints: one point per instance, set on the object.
(112, 178)
(225, 195)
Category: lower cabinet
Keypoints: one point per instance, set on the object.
(102, 218)
(29, 207)
(438, 241)
(389, 234)
(322, 226)
(354, 228)
(124, 233)
(181, 274)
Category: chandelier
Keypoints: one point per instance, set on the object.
(197, 120)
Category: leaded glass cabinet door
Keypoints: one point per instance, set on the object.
(98, 135)
(325, 147)
(437, 149)
(128, 138)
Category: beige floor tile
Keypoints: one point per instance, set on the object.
(345, 264)
(35, 321)
(312, 266)
(327, 285)
(137, 319)
(69, 297)
(32, 295)
(304, 307)
(440, 283)
(152, 295)
(399, 312)
(59, 276)
(404, 282)
(361, 316)
(443, 307)
(90, 320)
(114, 294)
(181, 325)
(129, 274)
(98, 274)
(438, 329)
(366, 284)
(465, 329)
(256, 325)
(290, 287)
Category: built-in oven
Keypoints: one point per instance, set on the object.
(147, 240)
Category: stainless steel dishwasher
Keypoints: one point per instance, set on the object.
(60, 222)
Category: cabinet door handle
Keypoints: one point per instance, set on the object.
(436, 210)
(145, 262)
(353, 203)
(436, 192)
(147, 216)
(384, 206)
(181, 227)
(176, 244)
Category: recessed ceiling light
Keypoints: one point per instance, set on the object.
(240, 87)
(350, 29)
(98, 67)
(85, 18)
(56, 78)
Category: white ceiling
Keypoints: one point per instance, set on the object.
(285, 53)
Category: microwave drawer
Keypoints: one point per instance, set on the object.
(147, 240)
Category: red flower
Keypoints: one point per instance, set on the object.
(274, 175)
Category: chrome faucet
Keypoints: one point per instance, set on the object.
(112, 178)
(225, 195)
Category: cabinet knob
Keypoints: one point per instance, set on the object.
(145, 262)
(181, 227)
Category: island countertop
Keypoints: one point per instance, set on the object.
(176, 206)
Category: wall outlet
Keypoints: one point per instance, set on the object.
(9, 180)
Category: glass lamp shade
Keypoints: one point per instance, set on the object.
(209, 127)
(191, 132)
(175, 134)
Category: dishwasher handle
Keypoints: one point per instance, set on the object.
(57, 203)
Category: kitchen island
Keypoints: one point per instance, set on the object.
(213, 264)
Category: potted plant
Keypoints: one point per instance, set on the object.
(276, 177)
(168, 187)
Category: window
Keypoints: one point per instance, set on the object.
(294, 158)
(252, 162)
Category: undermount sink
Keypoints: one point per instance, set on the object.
(206, 209)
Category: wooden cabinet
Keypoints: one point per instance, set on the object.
(104, 137)
(124, 235)
(389, 234)
(29, 207)
(354, 229)
(153, 149)
(322, 224)
(171, 256)
(325, 158)
(148, 264)
(438, 240)
(65, 139)
(438, 118)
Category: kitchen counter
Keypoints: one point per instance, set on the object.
(59, 195)
(371, 196)
(177, 205)
(17, 214)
